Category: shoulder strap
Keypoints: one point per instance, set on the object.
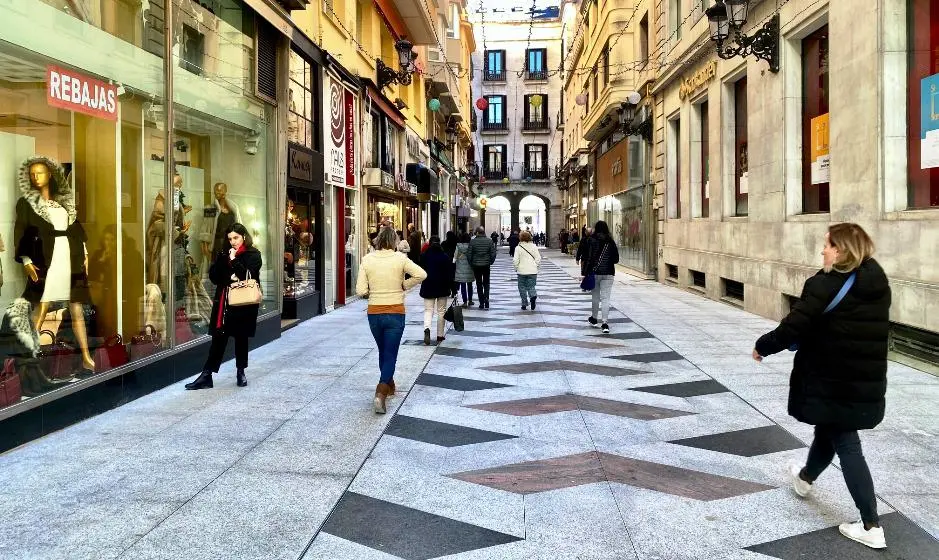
(527, 251)
(600, 258)
(842, 292)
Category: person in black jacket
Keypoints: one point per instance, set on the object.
(839, 378)
(437, 287)
(600, 257)
(481, 255)
(513, 242)
(240, 322)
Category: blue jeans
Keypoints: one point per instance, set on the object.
(387, 328)
(526, 287)
(464, 286)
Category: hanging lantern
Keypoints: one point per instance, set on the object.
(581, 99)
(434, 105)
(535, 101)
(483, 202)
(482, 103)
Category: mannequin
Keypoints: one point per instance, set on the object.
(213, 231)
(52, 246)
(156, 235)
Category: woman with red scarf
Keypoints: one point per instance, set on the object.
(238, 322)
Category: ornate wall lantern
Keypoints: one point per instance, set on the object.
(727, 17)
(406, 57)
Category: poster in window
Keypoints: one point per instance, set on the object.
(929, 117)
(821, 158)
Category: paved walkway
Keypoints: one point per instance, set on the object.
(528, 435)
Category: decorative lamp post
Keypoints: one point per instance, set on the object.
(451, 137)
(727, 18)
(406, 57)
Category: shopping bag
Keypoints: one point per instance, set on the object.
(454, 314)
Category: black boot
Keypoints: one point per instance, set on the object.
(426, 337)
(533, 300)
(204, 381)
(242, 380)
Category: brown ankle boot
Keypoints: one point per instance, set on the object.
(381, 393)
(391, 386)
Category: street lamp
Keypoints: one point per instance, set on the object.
(627, 112)
(729, 16)
(451, 137)
(406, 57)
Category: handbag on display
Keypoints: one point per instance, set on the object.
(244, 292)
(111, 354)
(145, 344)
(182, 329)
(454, 314)
(59, 360)
(196, 301)
(590, 280)
(11, 389)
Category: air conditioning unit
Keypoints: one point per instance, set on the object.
(433, 55)
(375, 177)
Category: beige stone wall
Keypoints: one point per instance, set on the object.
(775, 248)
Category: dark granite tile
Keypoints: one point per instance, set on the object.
(563, 403)
(905, 541)
(746, 443)
(556, 365)
(626, 336)
(650, 357)
(456, 383)
(439, 433)
(406, 532)
(573, 343)
(687, 389)
(462, 353)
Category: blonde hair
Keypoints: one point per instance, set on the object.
(525, 236)
(387, 239)
(853, 244)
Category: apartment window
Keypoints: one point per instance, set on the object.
(536, 111)
(536, 161)
(453, 27)
(644, 39)
(606, 63)
(536, 64)
(494, 164)
(741, 160)
(674, 19)
(495, 113)
(596, 82)
(923, 92)
(815, 158)
(673, 157)
(705, 162)
(301, 109)
(495, 65)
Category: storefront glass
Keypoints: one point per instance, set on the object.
(352, 254)
(922, 83)
(300, 244)
(626, 214)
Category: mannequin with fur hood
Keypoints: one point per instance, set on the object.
(51, 245)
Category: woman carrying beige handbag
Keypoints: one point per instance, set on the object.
(235, 306)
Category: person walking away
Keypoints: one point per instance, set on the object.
(601, 256)
(241, 261)
(464, 272)
(513, 242)
(481, 255)
(581, 249)
(527, 259)
(415, 240)
(382, 279)
(839, 328)
(436, 288)
(449, 247)
(562, 239)
(496, 238)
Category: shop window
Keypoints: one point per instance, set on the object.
(923, 97)
(301, 250)
(705, 161)
(673, 148)
(815, 158)
(741, 160)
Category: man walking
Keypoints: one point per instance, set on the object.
(513, 242)
(481, 255)
(414, 241)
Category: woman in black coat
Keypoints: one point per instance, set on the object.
(437, 288)
(839, 378)
(240, 322)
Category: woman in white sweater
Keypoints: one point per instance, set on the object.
(382, 279)
(527, 259)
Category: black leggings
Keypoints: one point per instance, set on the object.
(217, 350)
(857, 476)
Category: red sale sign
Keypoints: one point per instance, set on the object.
(70, 90)
(350, 139)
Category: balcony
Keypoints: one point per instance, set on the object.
(539, 125)
(293, 4)
(416, 15)
(537, 174)
(500, 127)
(536, 75)
(495, 174)
(494, 76)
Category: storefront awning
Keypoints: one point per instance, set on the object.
(425, 179)
(382, 103)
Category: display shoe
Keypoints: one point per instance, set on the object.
(242, 380)
(873, 537)
(204, 381)
(799, 486)
(532, 301)
(381, 393)
(426, 337)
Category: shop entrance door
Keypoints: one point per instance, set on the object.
(303, 254)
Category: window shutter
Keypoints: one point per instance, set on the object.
(527, 159)
(527, 109)
(544, 161)
(505, 152)
(544, 109)
(266, 53)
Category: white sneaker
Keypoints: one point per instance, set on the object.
(799, 486)
(873, 538)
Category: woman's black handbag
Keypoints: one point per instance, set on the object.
(454, 314)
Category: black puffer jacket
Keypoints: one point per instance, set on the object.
(840, 373)
(600, 255)
(439, 268)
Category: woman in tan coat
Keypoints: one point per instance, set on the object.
(382, 279)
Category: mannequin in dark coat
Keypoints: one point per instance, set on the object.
(239, 322)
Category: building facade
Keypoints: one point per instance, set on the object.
(517, 86)
(841, 133)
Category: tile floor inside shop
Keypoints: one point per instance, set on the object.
(528, 435)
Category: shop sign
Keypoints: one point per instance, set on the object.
(350, 139)
(70, 90)
(698, 79)
(821, 159)
(336, 137)
(929, 122)
(414, 145)
(300, 164)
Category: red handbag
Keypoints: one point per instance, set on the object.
(59, 360)
(11, 390)
(111, 354)
(183, 330)
(145, 344)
